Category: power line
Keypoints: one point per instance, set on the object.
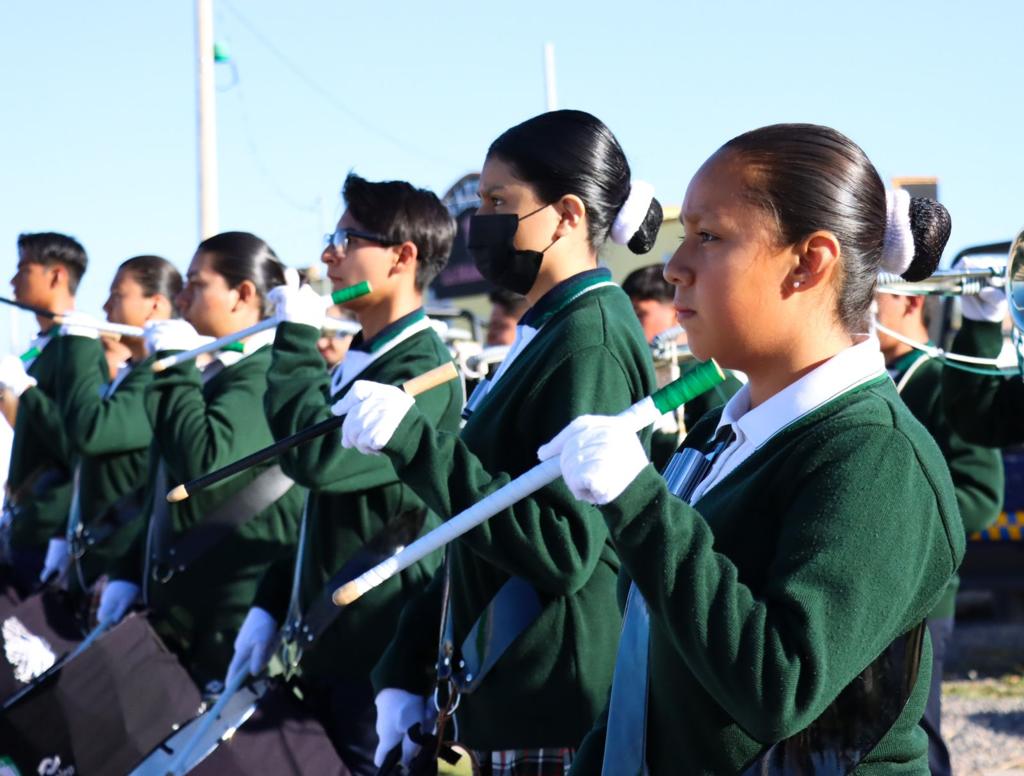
(331, 99)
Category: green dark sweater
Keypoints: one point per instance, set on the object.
(785, 580)
(551, 684)
(984, 409)
(111, 437)
(977, 471)
(42, 453)
(351, 495)
(198, 428)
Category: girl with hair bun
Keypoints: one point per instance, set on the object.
(553, 189)
(203, 419)
(106, 423)
(781, 569)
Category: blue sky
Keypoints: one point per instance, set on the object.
(98, 131)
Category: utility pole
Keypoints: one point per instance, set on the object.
(550, 89)
(206, 104)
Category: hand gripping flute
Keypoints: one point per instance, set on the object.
(643, 414)
(340, 296)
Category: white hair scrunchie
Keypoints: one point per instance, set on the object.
(292, 279)
(898, 245)
(633, 212)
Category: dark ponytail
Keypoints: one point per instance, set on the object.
(241, 256)
(571, 152)
(810, 178)
(156, 275)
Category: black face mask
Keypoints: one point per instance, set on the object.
(491, 244)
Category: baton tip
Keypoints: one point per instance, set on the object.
(180, 493)
(346, 594)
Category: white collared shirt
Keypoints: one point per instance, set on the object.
(251, 345)
(846, 370)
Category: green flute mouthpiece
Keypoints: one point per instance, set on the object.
(343, 295)
(705, 377)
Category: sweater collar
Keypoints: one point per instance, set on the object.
(562, 294)
(388, 333)
(846, 370)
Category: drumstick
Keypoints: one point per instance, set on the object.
(119, 329)
(642, 414)
(340, 296)
(179, 765)
(417, 385)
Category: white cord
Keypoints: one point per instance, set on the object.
(936, 352)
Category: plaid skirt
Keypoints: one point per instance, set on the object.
(525, 762)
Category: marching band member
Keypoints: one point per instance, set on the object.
(983, 408)
(977, 473)
(197, 563)
(783, 569)
(106, 422)
(50, 267)
(651, 297)
(529, 597)
(397, 238)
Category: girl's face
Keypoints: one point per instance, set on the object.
(209, 305)
(502, 192)
(128, 303)
(730, 273)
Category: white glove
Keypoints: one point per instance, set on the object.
(79, 325)
(254, 643)
(13, 376)
(173, 334)
(599, 455)
(374, 412)
(990, 305)
(397, 711)
(118, 597)
(57, 560)
(299, 305)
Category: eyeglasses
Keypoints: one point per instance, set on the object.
(341, 236)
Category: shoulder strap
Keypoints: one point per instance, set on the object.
(397, 533)
(255, 497)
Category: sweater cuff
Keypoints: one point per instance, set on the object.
(634, 502)
(407, 439)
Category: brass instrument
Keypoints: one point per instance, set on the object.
(957, 283)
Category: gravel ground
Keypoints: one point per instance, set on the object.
(983, 730)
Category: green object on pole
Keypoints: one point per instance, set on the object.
(221, 53)
(705, 377)
(343, 295)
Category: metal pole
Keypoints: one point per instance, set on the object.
(550, 89)
(207, 120)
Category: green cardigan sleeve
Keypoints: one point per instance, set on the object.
(98, 426)
(45, 422)
(409, 660)
(298, 396)
(548, 538)
(199, 431)
(984, 409)
(839, 568)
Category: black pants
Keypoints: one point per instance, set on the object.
(941, 631)
(346, 710)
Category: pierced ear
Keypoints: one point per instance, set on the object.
(817, 259)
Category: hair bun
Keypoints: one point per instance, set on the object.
(633, 212)
(644, 237)
(930, 224)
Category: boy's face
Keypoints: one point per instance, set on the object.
(654, 316)
(362, 259)
(36, 283)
